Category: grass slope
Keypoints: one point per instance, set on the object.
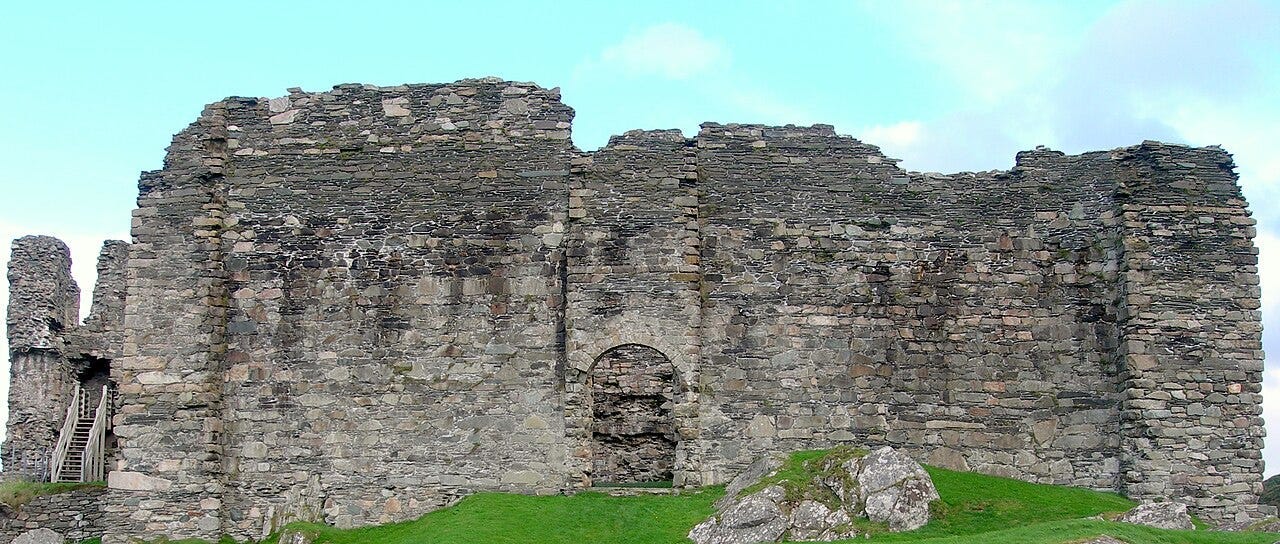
(973, 509)
(500, 518)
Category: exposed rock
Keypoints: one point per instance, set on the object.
(812, 520)
(885, 487)
(752, 474)
(896, 490)
(295, 536)
(1162, 515)
(39, 536)
(1104, 539)
(754, 518)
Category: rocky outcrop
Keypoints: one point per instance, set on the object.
(296, 536)
(893, 488)
(1161, 515)
(821, 499)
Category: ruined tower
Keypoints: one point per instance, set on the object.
(52, 356)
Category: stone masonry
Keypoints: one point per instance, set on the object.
(633, 435)
(358, 306)
(50, 352)
(76, 515)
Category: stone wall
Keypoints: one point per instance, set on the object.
(357, 306)
(76, 515)
(969, 318)
(1192, 333)
(633, 278)
(633, 436)
(44, 304)
(379, 280)
(50, 352)
(106, 316)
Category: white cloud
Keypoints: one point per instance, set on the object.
(1271, 413)
(1269, 270)
(990, 48)
(897, 136)
(761, 106)
(669, 50)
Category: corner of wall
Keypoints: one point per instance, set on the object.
(168, 418)
(1191, 344)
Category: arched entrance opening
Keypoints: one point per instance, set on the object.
(633, 428)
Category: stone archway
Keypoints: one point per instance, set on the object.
(633, 434)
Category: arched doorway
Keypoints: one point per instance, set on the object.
(633, 428)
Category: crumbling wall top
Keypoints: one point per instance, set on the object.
(43, 298)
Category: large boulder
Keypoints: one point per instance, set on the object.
(749, 476)
(884, 487)
(1161, 515)
(895, 490)
(40, 536)
(757, 517)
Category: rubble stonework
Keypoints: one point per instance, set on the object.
(357, 306)
(633, 432)
(43, 302)
(76, 515)
(50, 352)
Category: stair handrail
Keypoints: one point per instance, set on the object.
(91, 468)
(64, 437)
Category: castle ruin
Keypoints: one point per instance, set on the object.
(357, 306)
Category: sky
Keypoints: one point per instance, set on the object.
(92, 92)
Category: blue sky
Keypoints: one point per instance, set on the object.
(92, 92)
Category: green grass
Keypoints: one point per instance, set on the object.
(1073, 531)
(973, 509)
(498, 518)
(797, 474)
(15, 493)
(974, 503)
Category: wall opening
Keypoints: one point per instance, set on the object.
(93, 375)
(633, 431)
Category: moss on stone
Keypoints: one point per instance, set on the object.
(801, 474)
(16, 493)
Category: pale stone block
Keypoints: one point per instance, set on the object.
(136, 481)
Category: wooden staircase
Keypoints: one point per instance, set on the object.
(81, 444)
